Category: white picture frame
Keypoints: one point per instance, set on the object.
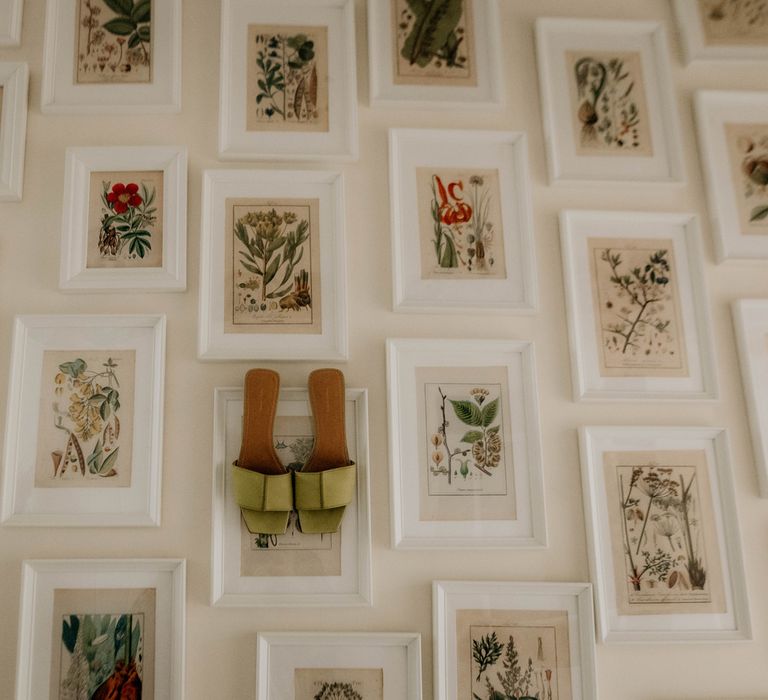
(750, 321)
(502, 156)
(40, 580)
(592, 378)
(61, 94)
(230, 587)
(327, 187)
(697, 47)
(136, 504)
(525, 523)
(486, 93)
(280, 654)
(717, 111)
(14, 82)
(80, 163)
(644, 42)
(613, 626)
(340, 141)
(572, 599)
(10, 22)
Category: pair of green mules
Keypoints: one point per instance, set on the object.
(264, 489)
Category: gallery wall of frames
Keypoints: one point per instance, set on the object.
(534, 237)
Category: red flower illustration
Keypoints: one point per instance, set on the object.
(124, 196)
(457, 213)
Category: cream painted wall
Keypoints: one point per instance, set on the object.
(221, 642)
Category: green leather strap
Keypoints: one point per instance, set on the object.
(324, 490)
(265, 500)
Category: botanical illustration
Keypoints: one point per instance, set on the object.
(339, 684)
(114, 41)
(85, 420)
(287, 78)
(271, 281)
(460, 224)
(434, 42)
(125, 226)
(661, 524)
(513, 655)
(748, 152)
(734, 21)
(609, 105)
(106, 654)
(275, 555)
(466, 443)
(637, 308)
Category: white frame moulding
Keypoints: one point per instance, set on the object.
(529, 528)
(10, 22)
(504, 151)
(14, 79)
(554, 36)
(734, 624)
(281, 652)
(136, 506)
(74, 275)
(39, 579)
(576, 598)
(354, 587)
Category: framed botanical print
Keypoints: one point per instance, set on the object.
(464, 445)
(435, 56)
(750, 320)
(273, 267)
(10, 22)
(14, 84)
(327, 666)
(663, 535)
(608, 102)
(527, 640)
(112, 57)
(83, 443)
(733, 142)
(715, 30)
(637, 313)
(125, 219)
(462, 237)
(102, 628)
(288, 86)
(294, 569)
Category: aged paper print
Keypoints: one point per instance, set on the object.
(85, 422)
(293, 553)
(460, 226)
(103, 644)
(513, 654)
(287, 78)
(740, 22)
(465, 437)
(114, 41)
(272, 266)
(748, 153)
(608, 104)
(339, 683)
(663, 533)
(125, 219)
(434, 43)
(636, 298)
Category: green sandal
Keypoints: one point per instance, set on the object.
(326, 483)
(262, 486)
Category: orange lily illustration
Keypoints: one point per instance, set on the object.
(458, 212)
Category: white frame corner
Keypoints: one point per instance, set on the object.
(14, 79)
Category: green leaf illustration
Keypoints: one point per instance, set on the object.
(142, 12)
(472, 437)
(758, 213)
(467, 412)
(109, 462)
(145, 33)
(493, 430)
(490, 412)
(121, 7)
(73, 369)
(435, 23)
(120, 26)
